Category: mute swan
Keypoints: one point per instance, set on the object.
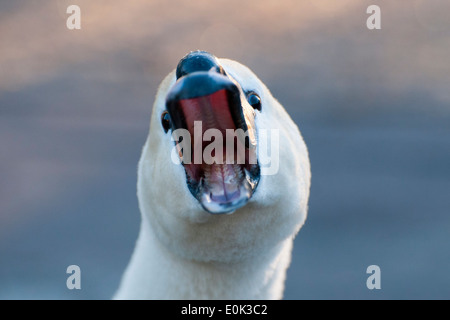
(217, 231)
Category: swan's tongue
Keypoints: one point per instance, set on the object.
(224, 186)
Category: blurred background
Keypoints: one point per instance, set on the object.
(373, 107)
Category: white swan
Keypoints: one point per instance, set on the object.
(186, 249)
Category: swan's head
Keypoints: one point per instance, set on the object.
(224, 173)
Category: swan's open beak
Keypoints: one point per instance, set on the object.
(222, 171)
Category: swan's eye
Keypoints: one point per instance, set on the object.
(165, 121)
(254, 100)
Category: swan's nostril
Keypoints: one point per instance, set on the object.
(198, 61)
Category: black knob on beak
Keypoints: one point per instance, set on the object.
(198, 61)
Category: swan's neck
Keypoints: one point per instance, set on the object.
(156, 273)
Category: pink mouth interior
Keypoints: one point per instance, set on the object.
(222, 180)
(212, 110)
